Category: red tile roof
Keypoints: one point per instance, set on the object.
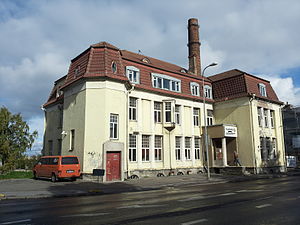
(236, 83)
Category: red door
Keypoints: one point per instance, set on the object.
(113, 170)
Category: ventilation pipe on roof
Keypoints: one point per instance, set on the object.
(194, 47)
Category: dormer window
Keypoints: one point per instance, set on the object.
(208, 91)
(77, 70)
(262, 90)
(114, 67)
(145, 60)
(133, 74)
(183, 71)
(195, 89)
(166, 82)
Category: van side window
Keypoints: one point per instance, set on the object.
(55, 161)
(44, 161)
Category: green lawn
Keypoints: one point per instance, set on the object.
(16, 175)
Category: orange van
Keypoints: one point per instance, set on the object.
(57, 167)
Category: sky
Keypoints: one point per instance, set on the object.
(38, 38)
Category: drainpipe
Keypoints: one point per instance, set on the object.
(252, 134)
(129, 89)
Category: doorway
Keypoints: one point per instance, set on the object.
(113, 166)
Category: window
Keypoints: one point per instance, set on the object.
(196, 116)
(259, 114)
(262, 90)
(72, 140)
(50, 147)
(178, 148)
(158, 148)
(272, 118)
(168, 112)
(145, 148)
(157, 112)
(166, 82)
(133, 74)
(113, 134)
(209, 117)
(114, 67)
(69, 160)
(262, 149)
(187, 150)
(197, 148)
(77, 70)
(132, 147)
(195, 89)
(208, 91)
(274, 149)
(132, 108)
(177, 114)
(266, 118)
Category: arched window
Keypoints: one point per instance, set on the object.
(114, 67)
(194, 88)
(208, 91)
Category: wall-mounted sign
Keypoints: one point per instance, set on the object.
(230, 131)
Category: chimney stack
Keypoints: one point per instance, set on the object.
(194, 47)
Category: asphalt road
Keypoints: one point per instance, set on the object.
(267, 201)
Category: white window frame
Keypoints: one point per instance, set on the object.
(272, 118)
(178, 148)
(72, 140)
(262, 89)
(208, 91)
(166, 82)
(114, 126)
(259, 116)
(158, 112)
(209, 117)
(132, 109)
(132, 71)
(158, 145)
(196, 117)
(145, 148)
(177, 114)
(274, 148)
(197, 148)
(132, 153)
(187, 148)
(266, 117)
(168, 112)
(195, 88)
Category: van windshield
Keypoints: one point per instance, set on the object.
(69, 160)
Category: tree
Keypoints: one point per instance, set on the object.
(15, 137)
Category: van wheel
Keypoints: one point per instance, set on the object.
(53, 178)
(73, 178)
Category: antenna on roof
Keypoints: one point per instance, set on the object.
(139, 51)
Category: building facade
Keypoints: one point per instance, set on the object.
(135, 116)
(291, 129)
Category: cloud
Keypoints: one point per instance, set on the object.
(38, 39)
(285, 89)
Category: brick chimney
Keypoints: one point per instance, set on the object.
(194, 47)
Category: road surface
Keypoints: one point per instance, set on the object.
(267, 201)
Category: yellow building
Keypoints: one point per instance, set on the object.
(251, 104)
(135, 116)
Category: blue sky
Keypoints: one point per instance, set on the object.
(39, 38)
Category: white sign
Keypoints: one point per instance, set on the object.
(230, 131)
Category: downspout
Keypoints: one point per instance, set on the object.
(128, 91)
(282, 140)
(252, 134)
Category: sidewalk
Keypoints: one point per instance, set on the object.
(29, 188)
